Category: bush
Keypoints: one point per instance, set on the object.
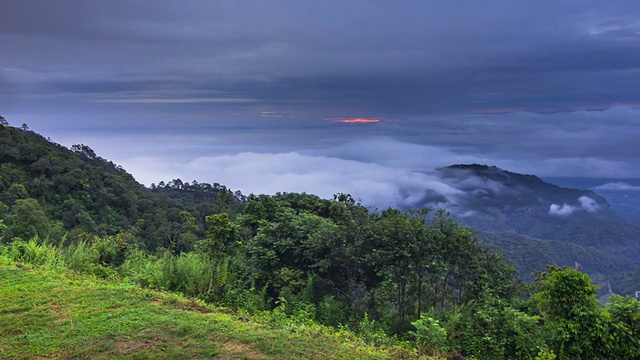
(32, 253)
(372, 332)
(493, 330)
(112, 249)
(430, 336)
(163, 272)
(37, 254)
(332, 312)
(84, 258)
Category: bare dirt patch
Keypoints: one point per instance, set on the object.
(233, 350)
(157, 302)
(129, 347)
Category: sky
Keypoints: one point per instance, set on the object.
(361, 97)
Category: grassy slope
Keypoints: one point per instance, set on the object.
(54, 315)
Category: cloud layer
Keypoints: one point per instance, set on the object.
(375, 185)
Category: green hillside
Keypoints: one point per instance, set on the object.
(628, 283)
(45, 314)
(78, 192)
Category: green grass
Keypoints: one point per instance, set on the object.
(47, 314)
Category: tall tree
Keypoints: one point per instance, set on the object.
(222, 235)
(399, 239)
(579, 327)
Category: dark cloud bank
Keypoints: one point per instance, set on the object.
(251, 93)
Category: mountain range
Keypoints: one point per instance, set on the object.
(535, 222)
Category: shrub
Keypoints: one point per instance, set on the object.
(493, 330)
(430, 336)
(34, 253)
(331, 312)
(625, 318)
(112, 249)
(163, 272)
(372, 332)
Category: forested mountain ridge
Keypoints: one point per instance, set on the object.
(536, 223)
(527, 205)
(78, 192)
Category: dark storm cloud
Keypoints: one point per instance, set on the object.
(361, 56)
(544, 87)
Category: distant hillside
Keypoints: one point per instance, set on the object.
(533, 255)
(627, 284)
(527, 205)
(622, 194)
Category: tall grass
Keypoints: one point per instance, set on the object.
(192, 274)
(187, 273)
(81, 256)
(31, 252)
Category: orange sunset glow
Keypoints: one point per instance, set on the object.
(355, 121)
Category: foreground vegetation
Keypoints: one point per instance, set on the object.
(53, 314)
(75, 305)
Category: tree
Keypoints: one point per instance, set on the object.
(400, 236)
(3, 228)
(455, 261)
(28, 220)
(3, 121)
(579, 327)
(16, 191)
(179, 231)
(222, 235)
(625, 315)
(84, 150)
